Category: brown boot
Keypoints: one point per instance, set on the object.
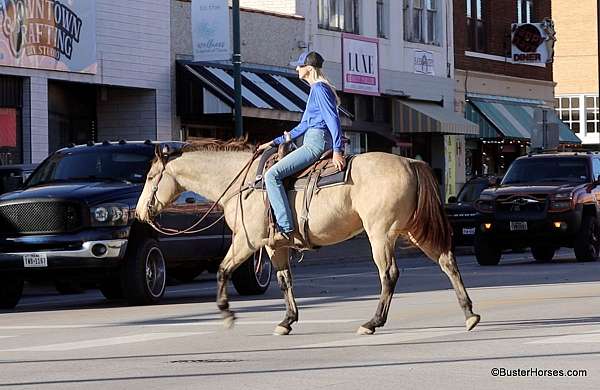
(281, 240)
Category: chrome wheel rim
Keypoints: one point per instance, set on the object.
(155, 272)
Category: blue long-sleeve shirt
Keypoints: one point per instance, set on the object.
(321, 113)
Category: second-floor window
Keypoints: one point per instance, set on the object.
(338, 15)
(383, 17)
(421, 21)
(476, 36)
(524, 11)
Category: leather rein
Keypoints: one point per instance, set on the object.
(174, 232)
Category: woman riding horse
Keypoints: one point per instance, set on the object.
(321, 128)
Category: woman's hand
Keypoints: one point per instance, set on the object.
(264, 146)
(338, 160)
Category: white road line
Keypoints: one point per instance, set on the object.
(104, 342)
(19, 327)
(388, 338)
(5, 337)
(587, 337)
(274, 322)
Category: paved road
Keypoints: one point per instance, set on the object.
(535, 317)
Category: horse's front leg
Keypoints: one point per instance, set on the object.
(280, 260)
(238, 252)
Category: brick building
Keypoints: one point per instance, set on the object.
(494, 91)
(577, 48)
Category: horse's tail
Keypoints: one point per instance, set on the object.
(429, 224)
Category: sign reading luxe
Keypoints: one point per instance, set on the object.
(48, 34)
(360, 57)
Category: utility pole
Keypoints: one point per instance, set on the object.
(237, 68)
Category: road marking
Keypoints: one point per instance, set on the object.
(21, 327)
(104, 342)
(388, 338)
(274, 322)
(587, 337)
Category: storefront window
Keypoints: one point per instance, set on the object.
(9, 134)
(357, 142)
(568, 109)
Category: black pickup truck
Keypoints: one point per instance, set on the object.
(73, 219)
(544, 202)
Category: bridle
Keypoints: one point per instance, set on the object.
(173, 232)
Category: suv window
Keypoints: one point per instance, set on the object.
(596, 168)
(97, 164)
(547, 169)
(471, 191)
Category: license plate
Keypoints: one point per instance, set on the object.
(468, 231)
(35, 260)
(518, 226)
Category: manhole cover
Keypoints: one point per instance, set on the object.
(207, 361)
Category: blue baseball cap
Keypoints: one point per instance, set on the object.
(309, 58)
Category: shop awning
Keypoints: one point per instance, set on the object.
(270, 94)
(425, 117)
(516, 120)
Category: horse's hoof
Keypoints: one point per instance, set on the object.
(281, 331)
(362, 330)
(228, 322)
(472, 321)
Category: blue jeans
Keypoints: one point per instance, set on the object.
(316, 142)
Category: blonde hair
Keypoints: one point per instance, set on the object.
(319, 75)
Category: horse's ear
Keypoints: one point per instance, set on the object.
(166, 150)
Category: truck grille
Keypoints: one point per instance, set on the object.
(522, 203)
(39, 217)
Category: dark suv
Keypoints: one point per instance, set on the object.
(545, 201)
(73, 220)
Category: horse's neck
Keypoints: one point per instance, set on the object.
(210, 173)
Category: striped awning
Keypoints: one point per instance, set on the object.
(428, 117)
(514, 120)
(265, 93)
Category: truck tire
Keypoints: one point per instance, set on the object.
(587, 242)
(111, 289)
(144, 273)
(11, 289)
(247, 280)
(486, 253)
(543, 254)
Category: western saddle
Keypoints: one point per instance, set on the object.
(323, 173)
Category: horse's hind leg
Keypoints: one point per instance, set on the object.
(280, 260)
(448, 264)
(382, 247)
(238, 252)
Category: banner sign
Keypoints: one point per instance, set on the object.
(423, 62)
(533, 42)
(49, 34)
(211, 30)
(360, 62)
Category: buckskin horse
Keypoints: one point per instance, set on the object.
(386, 195)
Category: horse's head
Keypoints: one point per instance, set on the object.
(161, 187)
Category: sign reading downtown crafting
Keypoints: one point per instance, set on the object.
(360, 61)
(423, 62)
(533, 42)
(48, 34)
(211, 30)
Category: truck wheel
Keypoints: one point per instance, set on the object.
(145, 275)
(111, 289)
(542, 254)
(11, 289)
(486, 253)
(254, 275)
(587, 242)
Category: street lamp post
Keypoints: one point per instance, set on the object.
(237, 68)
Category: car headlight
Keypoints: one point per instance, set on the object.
(561, 201)
(113, 214)
(563, 195)
(485, 205)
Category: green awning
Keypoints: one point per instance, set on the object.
(513, 120)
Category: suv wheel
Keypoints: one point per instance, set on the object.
(11, 289)
(145, 275)
(486, 252)
(587, 242)
(254, 275)
(542, 254)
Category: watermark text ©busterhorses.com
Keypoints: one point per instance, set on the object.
(536, 372)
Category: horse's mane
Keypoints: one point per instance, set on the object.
(217, 145)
